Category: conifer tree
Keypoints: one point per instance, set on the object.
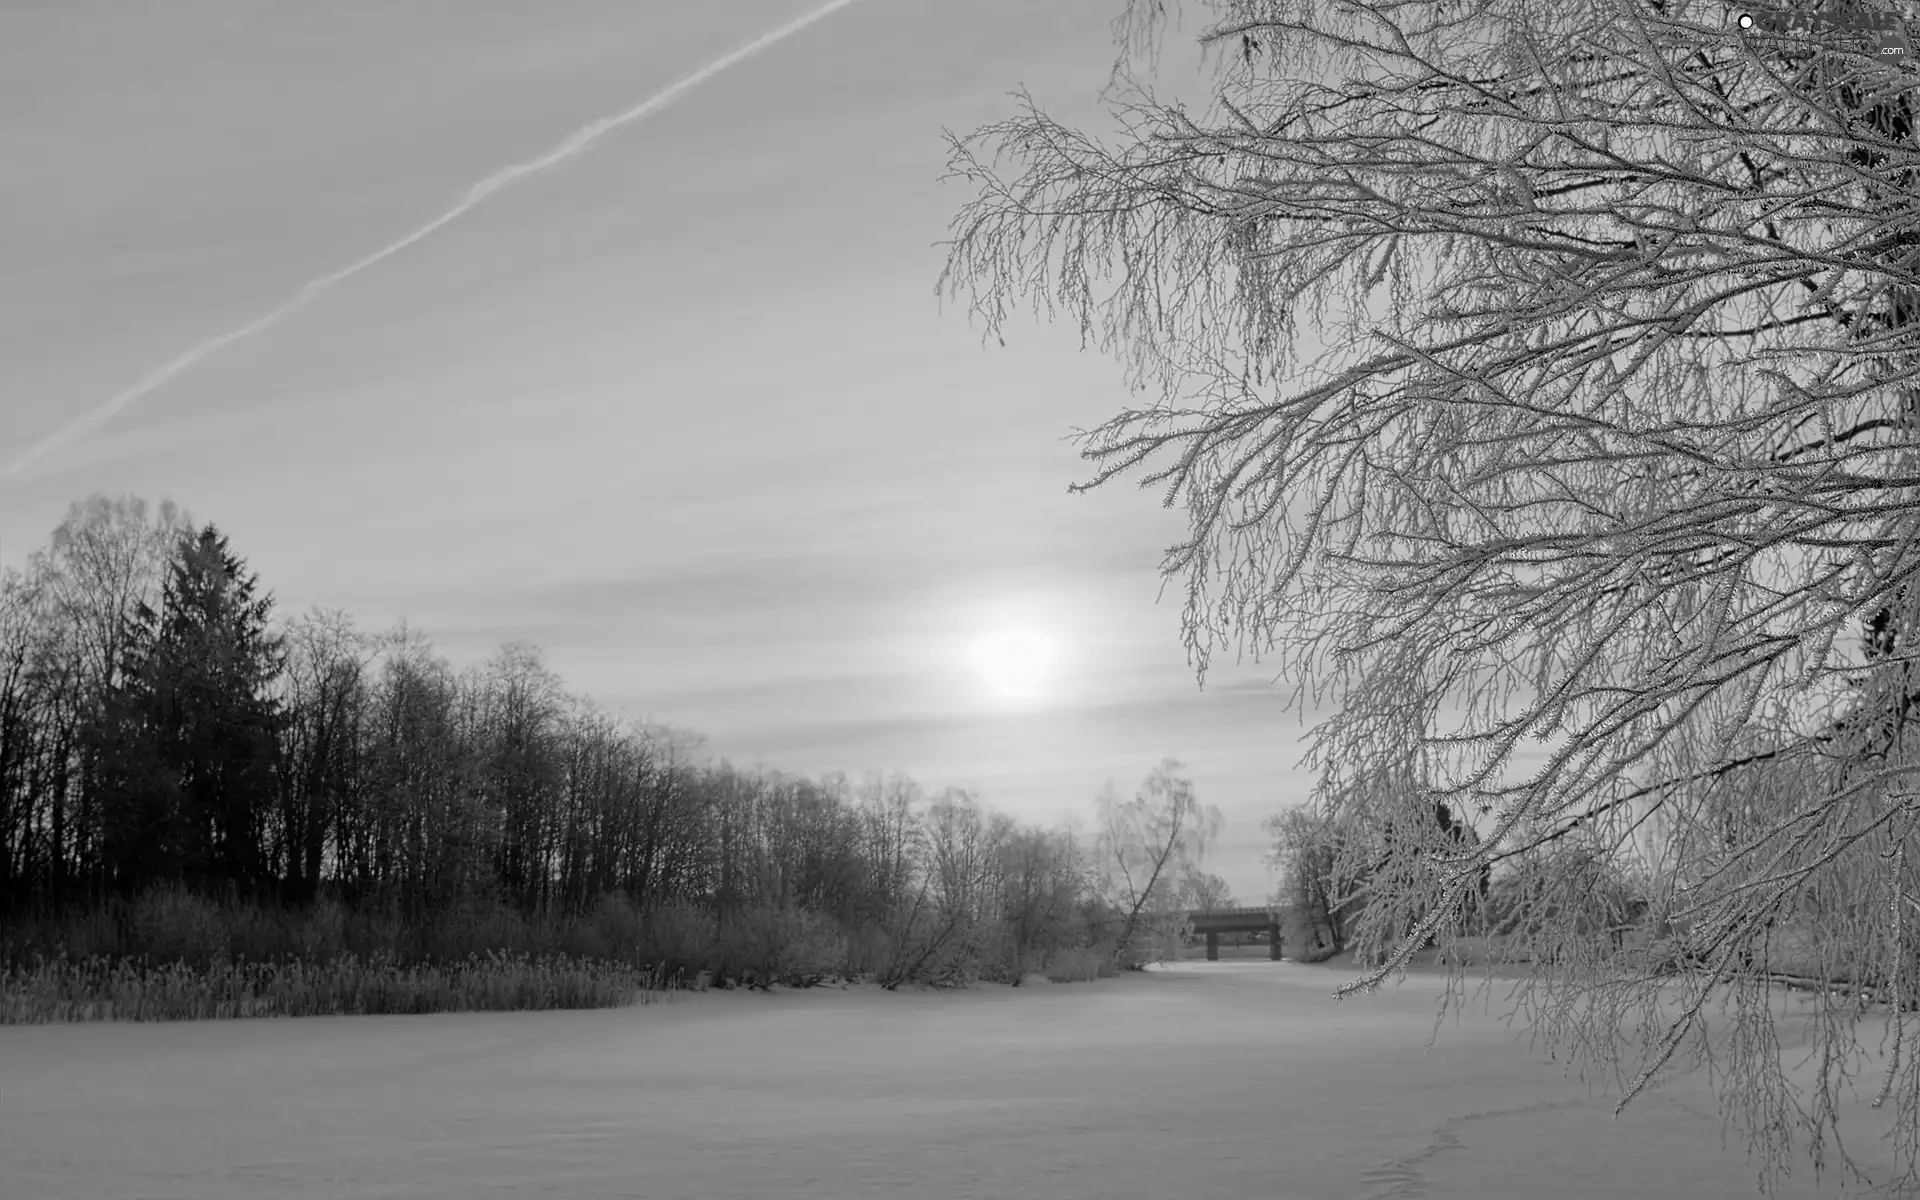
(188, 740)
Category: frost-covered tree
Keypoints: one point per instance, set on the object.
(1321, 900)
(1202, 890)
(1538, 376)
(1146, 847)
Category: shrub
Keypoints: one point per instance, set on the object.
(264, 934)
(584, 939)
(762, 946)
(171, 954)
(926, 946)
(619, 926)
(683, 938)
(373, 934)
(1079, 964)
(870, 948)
(171, 924)
(96, 931)
(474, 926)
(999, 958)
(323, 934)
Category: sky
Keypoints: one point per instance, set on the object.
(682, 408)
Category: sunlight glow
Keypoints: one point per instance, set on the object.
(1014, 662)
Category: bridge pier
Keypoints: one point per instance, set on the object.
(1273, 944)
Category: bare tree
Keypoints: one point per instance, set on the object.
(1040, 879)
(1608, 443)
(1146, 846)
(962, 863)
(522, 702)
(1320, 901)
(1203, 890)
(326, 702)
(20, 735)
(105, 560)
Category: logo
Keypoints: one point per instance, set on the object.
(1885, 31)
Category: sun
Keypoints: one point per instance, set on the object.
(1014, 662)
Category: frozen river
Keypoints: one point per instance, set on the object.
(1230, 1079)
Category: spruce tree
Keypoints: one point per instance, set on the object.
(188, 741)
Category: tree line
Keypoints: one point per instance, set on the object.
(161, 728)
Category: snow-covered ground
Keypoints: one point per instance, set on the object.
(1229, 1079)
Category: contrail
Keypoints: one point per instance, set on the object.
(576, 144)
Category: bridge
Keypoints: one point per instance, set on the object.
(1215, 921)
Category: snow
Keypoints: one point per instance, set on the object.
(1228, 1079)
